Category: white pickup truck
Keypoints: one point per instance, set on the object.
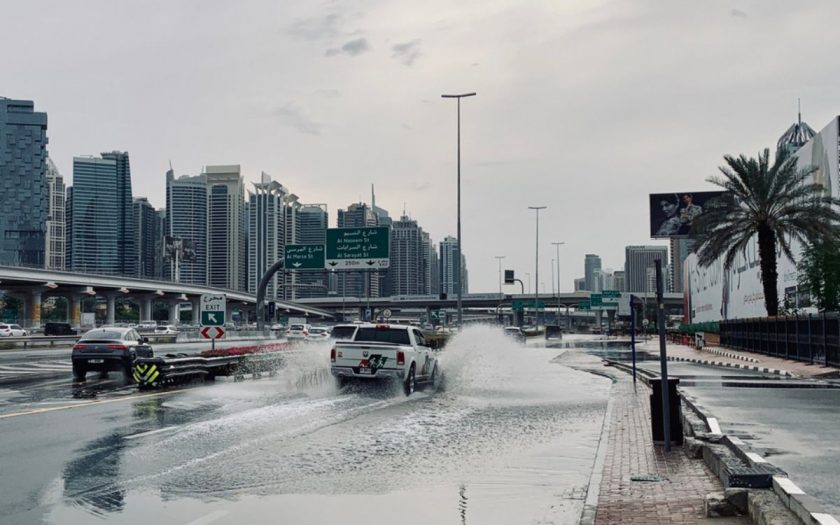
(385, 351)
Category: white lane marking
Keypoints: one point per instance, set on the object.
(714, 427)
(824, 519)
(209, 518)
(95, 402)
(756, 458)
(151, 432)
(787, 485)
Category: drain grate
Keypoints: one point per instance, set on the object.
(647, 477)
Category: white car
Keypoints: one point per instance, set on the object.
(166, 329)
(383, 351)
(12, 330)
(297, 332)
(318, 333)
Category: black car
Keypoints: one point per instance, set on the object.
(58, 329)
(109, 349)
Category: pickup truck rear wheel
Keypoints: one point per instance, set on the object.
(409, 384)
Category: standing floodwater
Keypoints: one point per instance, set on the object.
(510, 438)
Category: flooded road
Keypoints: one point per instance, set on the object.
(510, 438)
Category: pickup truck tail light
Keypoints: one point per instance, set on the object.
(400, 357)
(332, 355)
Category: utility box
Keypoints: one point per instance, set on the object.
(657, 424)
(699, 340)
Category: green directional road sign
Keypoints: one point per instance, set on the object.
(436, 315)
(610, 299)
(519, 304)
(611, 293)
(596, 300)
(304, 257)
(358, 248)
(213, 310)
(585, 305)
(212, 318)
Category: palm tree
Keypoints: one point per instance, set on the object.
(773, 202)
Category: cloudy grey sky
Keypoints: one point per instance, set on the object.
(582, 106)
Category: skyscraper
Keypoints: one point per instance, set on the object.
(68, 229)
(448, 263)
(126, 247)
(186, 218)
(96, 230)
(410, 258)
(636, 263)
(350, 283)
(146, 231)
(266, 232)
(225, 229)
(313, 221)
(591, 264)
(23, 183)
(56, 236)
(680, 249)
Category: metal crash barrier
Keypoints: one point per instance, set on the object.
(171, 370)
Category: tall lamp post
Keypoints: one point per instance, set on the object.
(537, 266)
(458, 259)
(557, 245)
(499, 258)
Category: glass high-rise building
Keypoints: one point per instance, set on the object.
(126, 246)
(639, 262)
(449, 267)
(186, 218)
(266, 233)
(591, 265)
(146, 240)
(103, 229)
(24, 203)
(226, 258)
(95, 231)
(312, 229)
(411, 262)
(56, 236)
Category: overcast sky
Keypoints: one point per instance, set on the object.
(582, 106)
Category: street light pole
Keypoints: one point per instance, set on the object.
(499, 258)
(460, 273)
(537, 266)
(557, 245)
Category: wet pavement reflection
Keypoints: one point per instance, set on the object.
(509, 438)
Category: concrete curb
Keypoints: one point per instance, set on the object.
(593, 491)
(807, 509)
(721, 364)
(731, 355)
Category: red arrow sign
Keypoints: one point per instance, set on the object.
(212, 332)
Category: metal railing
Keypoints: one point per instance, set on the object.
(809, 338)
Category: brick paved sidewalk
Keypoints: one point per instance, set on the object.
(797, 368)
(677, 499)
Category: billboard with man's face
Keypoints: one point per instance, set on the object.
(672, 214)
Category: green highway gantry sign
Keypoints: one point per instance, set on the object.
(304, 257)
(519, 304)
(358, 248)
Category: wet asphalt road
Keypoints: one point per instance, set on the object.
(510, 439)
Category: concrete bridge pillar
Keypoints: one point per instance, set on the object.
(146, 308)
(173, 311)
(196, 309)
(75, 307)
(32, 307)
(111, 311)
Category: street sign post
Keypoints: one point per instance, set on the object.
(304, 257)
(213, 308)
(358, 248)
